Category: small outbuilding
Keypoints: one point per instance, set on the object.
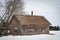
(29, 25)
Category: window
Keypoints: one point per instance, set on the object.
(8, 31)
(42, 30)
(15, 29)
(31, 29)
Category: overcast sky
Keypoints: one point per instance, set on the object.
(48, 8)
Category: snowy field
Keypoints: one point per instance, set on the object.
(55, 36)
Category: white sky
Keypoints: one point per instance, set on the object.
(48, 8)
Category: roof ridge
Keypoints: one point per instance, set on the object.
(29, 15)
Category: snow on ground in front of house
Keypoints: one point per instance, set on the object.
(55, 36)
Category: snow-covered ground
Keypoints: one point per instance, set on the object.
(55, 36)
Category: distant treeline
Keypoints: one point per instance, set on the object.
(54, 27)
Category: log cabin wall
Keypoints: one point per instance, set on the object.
(25, 27)
(14, 27)
(35, 30)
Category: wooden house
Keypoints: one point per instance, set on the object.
(29, 25)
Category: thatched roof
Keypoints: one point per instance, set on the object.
(32, 20)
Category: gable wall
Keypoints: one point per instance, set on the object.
(14, 24)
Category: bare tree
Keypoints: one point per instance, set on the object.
(13, 7)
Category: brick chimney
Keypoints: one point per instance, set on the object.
(32, 13)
